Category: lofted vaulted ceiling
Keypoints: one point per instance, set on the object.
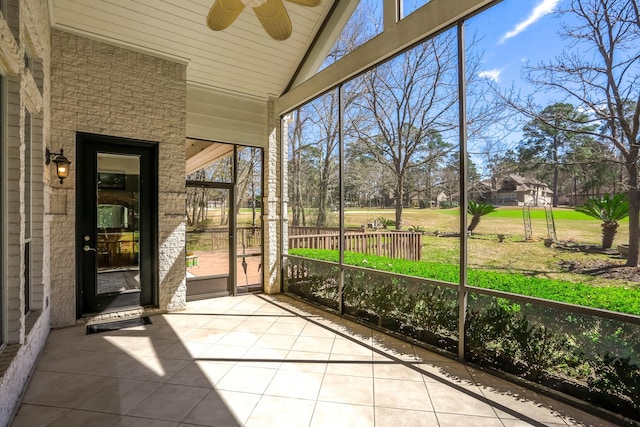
(240, 60)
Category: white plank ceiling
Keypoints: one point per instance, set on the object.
(241, 60)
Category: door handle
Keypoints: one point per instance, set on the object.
(87, 248)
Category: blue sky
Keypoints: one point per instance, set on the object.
(513, 33)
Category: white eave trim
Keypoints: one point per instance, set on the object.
(428, 20)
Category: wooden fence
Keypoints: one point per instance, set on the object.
(391, 244)
(303, 231)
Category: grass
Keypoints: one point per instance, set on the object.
(620, 299)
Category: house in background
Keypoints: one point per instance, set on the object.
(513, 190)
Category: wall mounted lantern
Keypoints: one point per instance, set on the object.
(62, 163)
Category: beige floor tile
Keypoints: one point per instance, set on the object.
(392, 417)
(428, 356)
(347, 389)
(344, 364)
(210, 336)
(119, 397)
(276, 341)
(157, 369)
(286, 328)
(396, 371)
(521, 423)
(263, 358)
(223, 408)
(574, 416)
(258, 325)
(311, 330)
(144, 422)
(291, 319)
(346, 346)
(313, 344)
(72, 392)
(297, 365)
(186, 350)
(224, 352)
(391, 344)
(401, 394)
(193, 375)
(214, 371)
(458, 400)
(281, 411)
(234, 338)
(170, 402)
(299, 385)
(328, 414)
(76, 417)
(37, 416)
(308, 356)
(41, 381)
(263, 377)
(453, 420)
(451, 373)
(246, 379)
(176, 320)
(224, 323)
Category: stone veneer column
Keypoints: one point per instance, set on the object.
(108, 90)
(271, 217)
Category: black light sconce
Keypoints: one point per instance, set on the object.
(62, 163)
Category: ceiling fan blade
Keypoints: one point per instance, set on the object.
(310, 3)
(223, 13)
(274, 18)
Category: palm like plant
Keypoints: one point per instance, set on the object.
(478, 210)
(609, 210)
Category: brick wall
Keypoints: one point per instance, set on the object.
(108, 90)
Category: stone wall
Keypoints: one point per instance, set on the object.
(103, 89)
(25, 33)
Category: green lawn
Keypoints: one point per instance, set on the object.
(614, 298)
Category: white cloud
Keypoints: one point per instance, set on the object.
(543, 8)
(490, 74)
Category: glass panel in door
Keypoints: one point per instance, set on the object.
(248, 236)
(117, 223)
(208, 240)
(118, 215)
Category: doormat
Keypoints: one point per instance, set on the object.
(96, 328)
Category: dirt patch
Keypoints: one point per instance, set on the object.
(609, 269)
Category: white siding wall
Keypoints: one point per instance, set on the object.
(223, 117)
(24, 27)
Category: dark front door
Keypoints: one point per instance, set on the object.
(116, 223)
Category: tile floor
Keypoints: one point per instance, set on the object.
(267, 361)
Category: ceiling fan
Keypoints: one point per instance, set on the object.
(271, 13)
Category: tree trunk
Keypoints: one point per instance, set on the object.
(321, 219)
(608, 233)
(474, 223)
(634, 224)
(555, 186)
(399, 191)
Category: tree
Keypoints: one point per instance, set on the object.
(609, 210)
(408, 102)
(550, 135)
(599, 72)
(477, 210)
